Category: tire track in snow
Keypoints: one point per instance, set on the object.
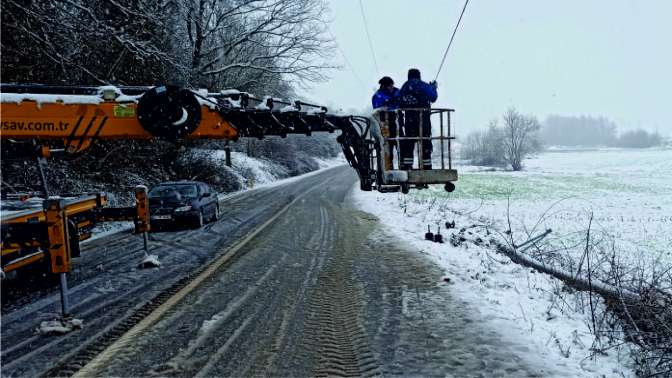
(124, 338)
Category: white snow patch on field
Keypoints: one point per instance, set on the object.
(629, 193)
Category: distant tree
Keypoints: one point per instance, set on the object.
(639, 139)
(521, 137)
(578, 131)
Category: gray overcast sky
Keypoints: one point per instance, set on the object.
(571, 57)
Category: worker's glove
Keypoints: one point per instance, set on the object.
(434, 84)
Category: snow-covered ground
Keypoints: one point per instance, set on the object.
(252, 172)
(519, 303)
(629, 193)
(323, 164)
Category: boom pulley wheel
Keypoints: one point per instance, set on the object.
(169, 112)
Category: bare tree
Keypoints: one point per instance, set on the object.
(249, 44)
(254, 45)
(521, 137)
(79, 42)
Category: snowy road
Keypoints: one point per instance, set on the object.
(323, 290)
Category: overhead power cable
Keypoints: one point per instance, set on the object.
(347, 62)
(445, 54)
(368, 36)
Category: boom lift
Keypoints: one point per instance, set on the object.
(69, 118)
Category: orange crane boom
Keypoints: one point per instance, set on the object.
(77, 120)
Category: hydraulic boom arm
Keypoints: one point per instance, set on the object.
(77, 116)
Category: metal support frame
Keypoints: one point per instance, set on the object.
(57, 232)
(59, 245)
(421, 140)
(142, 214)
(42, 168)
(227, 154)
(65, 301)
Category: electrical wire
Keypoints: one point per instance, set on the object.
(347, 61)
(368, 36)
(445, 54)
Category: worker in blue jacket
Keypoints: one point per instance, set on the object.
(387, 95)
(417, 94)
(386, 101)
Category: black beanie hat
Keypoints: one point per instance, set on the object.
(385, 81)
(413, 73)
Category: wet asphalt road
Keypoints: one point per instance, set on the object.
(322, 291)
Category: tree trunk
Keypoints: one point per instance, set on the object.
(599, 287)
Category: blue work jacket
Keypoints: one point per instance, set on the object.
(386, 98)
(415, 93)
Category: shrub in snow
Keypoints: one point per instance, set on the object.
(508, 144)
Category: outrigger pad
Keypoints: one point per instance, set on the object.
(149, 261)
(169, 112)
(59, 326)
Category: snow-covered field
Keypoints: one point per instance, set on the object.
(629, 193)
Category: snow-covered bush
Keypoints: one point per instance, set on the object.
(508, 144)
(484, 147)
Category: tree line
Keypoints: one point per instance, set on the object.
(508, 141)
(263, 46)
(593, 131)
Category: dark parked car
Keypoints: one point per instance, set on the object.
(188, 203)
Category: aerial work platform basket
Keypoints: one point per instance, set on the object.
(404, 137)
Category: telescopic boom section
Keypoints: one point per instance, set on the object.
(79, 115)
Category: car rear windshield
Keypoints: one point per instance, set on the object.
(187, 191)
